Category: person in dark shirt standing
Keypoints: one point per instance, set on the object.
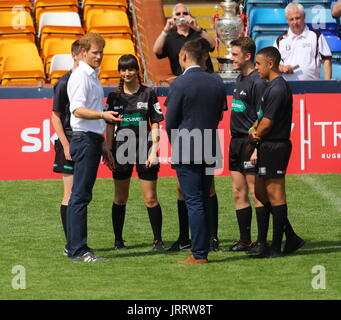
(61, 122)
(180, 28)
(135, 140)
(245, 104)
(271, 136)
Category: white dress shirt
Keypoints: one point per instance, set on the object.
(85, 90)
(304, 51)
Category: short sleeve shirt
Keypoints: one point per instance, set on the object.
(172, 46)
(246, 102)
(135, 108)
(305, 51)
(276, 105)
(61, 101)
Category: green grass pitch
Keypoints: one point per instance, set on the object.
(32, 237)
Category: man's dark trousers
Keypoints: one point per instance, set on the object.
(86, 151)
(195, 185)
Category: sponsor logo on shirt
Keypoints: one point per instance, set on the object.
(238, 105)
(243, 93)
(262, 171)
(132, 119)
(142, 106)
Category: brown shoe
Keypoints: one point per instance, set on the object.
(192, 259)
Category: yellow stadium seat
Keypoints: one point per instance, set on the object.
(20, 70)
(108, 73)
(16, 24)
(107, 21)
(16, 5)
(42, 6)
(55, 46)
(88, 5)
(119, 46)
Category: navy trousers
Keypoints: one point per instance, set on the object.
(195, 186)
(86, 152)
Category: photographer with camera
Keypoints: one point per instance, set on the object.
(180, 28)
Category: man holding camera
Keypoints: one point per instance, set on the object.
(180, 28)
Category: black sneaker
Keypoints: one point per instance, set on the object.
(267, 253)
(177, 246)
(241, 246)
(158, 245)
(119, 245)
(293, 244)
(89, 257)
(214, 244)
(258, 247)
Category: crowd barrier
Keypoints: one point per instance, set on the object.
(27, 135)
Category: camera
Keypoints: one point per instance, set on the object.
(180, 21)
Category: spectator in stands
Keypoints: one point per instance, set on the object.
(180, 28)
(87, 144)
(336, 11)
(141, 113)
(195, 104)
(302, 50)
(61, 122)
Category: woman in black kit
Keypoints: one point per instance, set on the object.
(134, 141)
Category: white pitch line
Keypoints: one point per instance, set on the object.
(314, 183)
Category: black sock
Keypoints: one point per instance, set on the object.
(63, 216)
(183, 222)
(279, 218)
(155, 218)
(213, 203)
(288, 230)
(244, 217)
(118, 213)
(263, 217)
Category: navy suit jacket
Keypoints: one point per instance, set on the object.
(195, 103)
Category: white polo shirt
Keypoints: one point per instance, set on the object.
(305, 50)
(85, 90)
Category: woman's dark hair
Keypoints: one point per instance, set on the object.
(127, 61)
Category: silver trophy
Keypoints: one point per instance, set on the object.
(228, 28)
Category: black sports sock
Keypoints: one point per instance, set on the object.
(244, 217)
(213, 207)
(183, 222)
(279, 218)
(288, 230)
(63, 216)
(155, 218)
(118, 213)
(263, 217)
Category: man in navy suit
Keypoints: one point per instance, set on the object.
(195, 104)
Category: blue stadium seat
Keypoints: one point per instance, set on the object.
(263, 41)
(320, 19)
(249, 4)
(267, 20)
(310, 3)
(334, 43)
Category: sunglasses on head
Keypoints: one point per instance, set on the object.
(179, 13)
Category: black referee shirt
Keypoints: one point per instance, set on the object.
(61, 101)
(276, 105)
(246, 102)
(172, 46)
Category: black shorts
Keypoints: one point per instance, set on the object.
(61, 165)
(273, 158)
(122, 172)
(238, 159)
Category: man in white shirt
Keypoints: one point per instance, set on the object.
(87, 145)
(302, 50)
